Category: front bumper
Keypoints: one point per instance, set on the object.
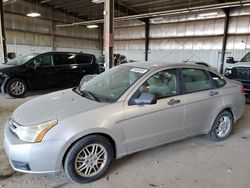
(3, 81)
(27, 157)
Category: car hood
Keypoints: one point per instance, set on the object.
(58, 105)
(4, 67)
(239, 64)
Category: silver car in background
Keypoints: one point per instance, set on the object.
(126, 109)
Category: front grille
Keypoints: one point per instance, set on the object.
(241, 73)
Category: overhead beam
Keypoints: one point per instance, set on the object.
(148, 3)
(124, 9)
(225, 36)
(45, 1)
(70, 4)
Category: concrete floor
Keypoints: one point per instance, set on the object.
(196, 162)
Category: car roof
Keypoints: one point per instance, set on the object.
(62, 52)
(152, 65)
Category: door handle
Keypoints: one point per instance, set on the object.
(173, 102)
(213, 93)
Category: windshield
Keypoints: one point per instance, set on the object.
(246, 58)
(110, 85)
(22, 59)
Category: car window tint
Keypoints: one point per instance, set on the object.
(217, 80)
(195, 80)
(83, 59)
(44, 60)
(64, 59)
(162, 84)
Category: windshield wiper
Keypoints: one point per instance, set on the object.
(89, 95)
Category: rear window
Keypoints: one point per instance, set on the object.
(83, 59)
(217, 80)
(64, 59)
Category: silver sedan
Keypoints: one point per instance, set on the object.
(126, 109)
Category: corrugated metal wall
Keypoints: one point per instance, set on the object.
(172, 38)
(186, 37)
(25, 34)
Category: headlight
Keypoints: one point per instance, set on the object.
(2, 74)
(34, 133)
(228, 71)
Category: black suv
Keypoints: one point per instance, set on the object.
(239, 70)
(47, 70)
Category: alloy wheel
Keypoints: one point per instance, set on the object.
(17, 88)
(223, 126)
(91, 160)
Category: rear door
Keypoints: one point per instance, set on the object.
(202, 99)
(66, 69)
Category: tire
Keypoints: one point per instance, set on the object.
(222, 129)
(93, 166)
(16, 87)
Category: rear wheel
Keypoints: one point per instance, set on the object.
(88, 159)
(16, 87)
(222, 126)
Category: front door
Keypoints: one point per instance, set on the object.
(40, 73)
(149, 125)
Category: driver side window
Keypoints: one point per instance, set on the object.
(162, 84)
(45, 60)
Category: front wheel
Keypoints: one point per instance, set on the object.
(88, 159)
(222, 126)
(16, 87)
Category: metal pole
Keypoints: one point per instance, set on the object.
(147, 27)
(52, 26)
(3, 37)
(101, 39)
(108, 32)
(224, 43)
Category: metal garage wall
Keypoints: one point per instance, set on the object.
(173, 39)
(25, 34)
(186, 37)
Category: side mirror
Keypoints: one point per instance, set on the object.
(230, 60)
(144, 98)
(37, 64)
(11, 55)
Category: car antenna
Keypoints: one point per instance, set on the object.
(185, 61)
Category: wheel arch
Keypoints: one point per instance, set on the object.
(231, 110)
(110, 138)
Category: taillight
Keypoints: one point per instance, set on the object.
(242, 90)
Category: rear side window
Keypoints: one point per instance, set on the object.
(83, 59)
(217, 80)
(64, 59)
(195, 80)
